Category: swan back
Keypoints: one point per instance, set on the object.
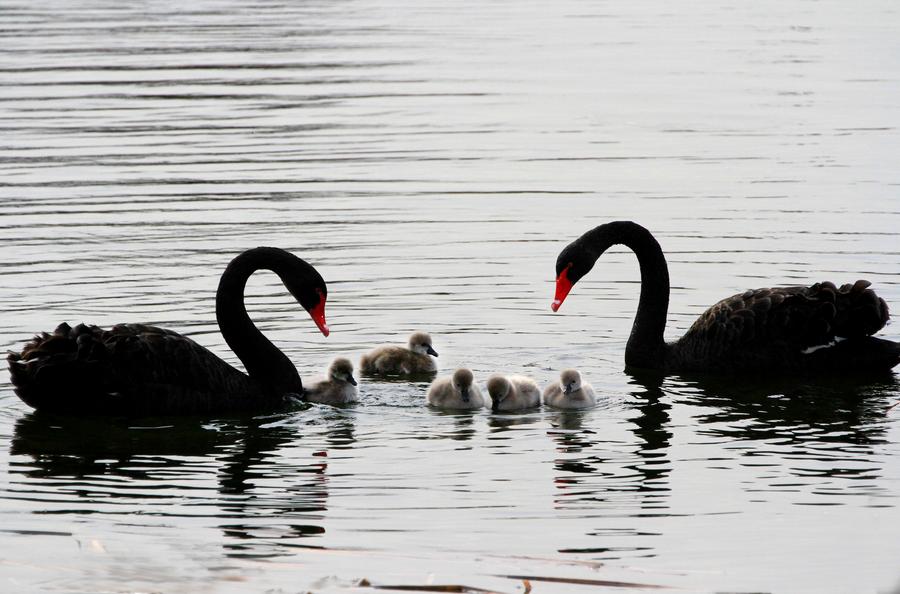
(131, 369)
(782, 327)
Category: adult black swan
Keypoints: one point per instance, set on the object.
(821, 327)
(134, 369)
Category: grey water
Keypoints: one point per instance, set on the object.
(431, 159)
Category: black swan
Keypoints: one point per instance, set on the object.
(821, 327)
(134, 369)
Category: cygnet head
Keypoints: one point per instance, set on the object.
(462, 381)
(420, 342)
(341, 370)
(498, 387)
(570, 381)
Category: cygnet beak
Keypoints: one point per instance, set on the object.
(495, 403)
(351, 379)
(431, 351)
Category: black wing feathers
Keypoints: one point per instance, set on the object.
(794, 318)
(126, 369)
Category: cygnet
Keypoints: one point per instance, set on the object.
(338, 388)
(456, 392)
(396, 360)
(569, 392)
(514, 392)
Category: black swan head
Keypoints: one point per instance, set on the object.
(579, 257)
(573, 263)
(309, 289)
(795, 328)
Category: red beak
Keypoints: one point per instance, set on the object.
(563, 286)
(318, 315)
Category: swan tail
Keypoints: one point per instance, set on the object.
(52, 366)
(858, 310)
(863, 354)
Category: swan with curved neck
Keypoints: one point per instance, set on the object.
(134, 369)
(775, 329)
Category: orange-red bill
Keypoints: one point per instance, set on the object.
(563, 286)
(317, 313)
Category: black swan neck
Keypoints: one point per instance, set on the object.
(264, 362)
(646, 346)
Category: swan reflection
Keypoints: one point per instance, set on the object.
(817, 433)
(788, 410)
(267, 496)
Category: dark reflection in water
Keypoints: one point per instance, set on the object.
(267, 503)
(653, 447)
(502, 423)
(642, 470)
(74, 447)
(793, 410)
(813, 431)
(593, 474)
(578, 461)
(801, 435)
(461, 427)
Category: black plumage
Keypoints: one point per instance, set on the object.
(136, 369)
(820, 327)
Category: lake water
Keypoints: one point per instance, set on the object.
(431, 160)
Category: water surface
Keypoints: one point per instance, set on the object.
(431, 161)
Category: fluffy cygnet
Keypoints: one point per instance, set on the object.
(338, 388)
(569, 392)
(458, 392)
(395, 360)
(513, 392)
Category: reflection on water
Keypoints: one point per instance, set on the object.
(794, 410)
(269, 485)
(160, 463)
(431, 161)
(806, 434)
(650, 422)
